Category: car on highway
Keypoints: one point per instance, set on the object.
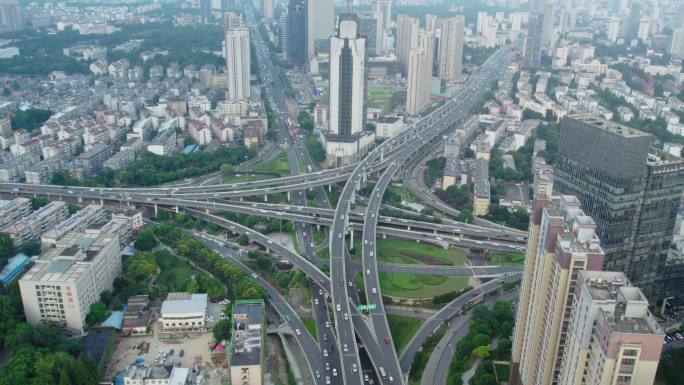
(338, 307)
(354, 368)
(346, 316)
(387, 340)
(318, 373)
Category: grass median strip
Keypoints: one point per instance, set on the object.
(402, 328)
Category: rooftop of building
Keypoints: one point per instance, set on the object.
(609, 126)
(161, 138)
(246, 348)
(451, 166)
(630, 314)
(179, 303)
(69, 258)
(389, 119)
(254, 312)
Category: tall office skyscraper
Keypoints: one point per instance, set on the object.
(231, 20)
(677, 45)
(320, 23)
(11, 16)
(451, 49)
(370, 27)
(205, 11)
(533, 41)
(407, 38)
(547, 26)
(282, 34)
(347, 78)
(384, 8)
(267, 9)
(297, 34)
(632, 27)
(482, 21)
(613, 29)
(565, 300)
(238, 63)
(419, 74)
(631, 190)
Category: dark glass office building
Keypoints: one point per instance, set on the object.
(296, 32)
(631, 190)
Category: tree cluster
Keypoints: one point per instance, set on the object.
(485, 325)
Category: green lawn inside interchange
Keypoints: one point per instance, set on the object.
(419, 286)
(505, 259)
(403, 329)
(404, 194)
(399, 251)
(278, 165)
(310, 326)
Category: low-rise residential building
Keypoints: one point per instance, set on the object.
(183, 312)
(451, 172)
(77, 222)
(137, 317)
(481, 187)
(68, 278)
(164, 143)
(38, 222)
(92, 161)
(12, 210)
(247, 343)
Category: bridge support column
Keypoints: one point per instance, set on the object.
(384, 236)
(289, 199)
(351, 244)
(80, 199)
(206, 210)
(408, 228)
(176, 209)
(102, 202)
(365, 177)
(329, 188)
(241, 199)
(382, 155)
(318, 227)
(265, 197)
(434, 232)
(156, 210)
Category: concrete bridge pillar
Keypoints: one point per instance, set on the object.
(241, 199)
(265, 197)
(329, 188)
(206, 210)
(351, 244)
(177, 210)
(80, 199)
(318, 227)
(434, 231)
(408, 228)
(102, 202)
(289, 199)
(156, 210)
(384, 236)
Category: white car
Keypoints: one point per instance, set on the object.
(374, 290)
(368, 272)
(334, 372)
(346, 316)
(327, 324)
(339, 308)
(316, 301)
(299, 332)
(345, 348)
(325, 352)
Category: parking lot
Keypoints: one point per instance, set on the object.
(126, 353)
